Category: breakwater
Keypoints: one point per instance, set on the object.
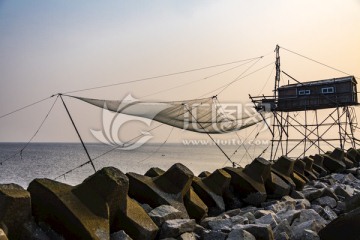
(310, 198)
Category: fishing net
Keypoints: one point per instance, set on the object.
(204, 115)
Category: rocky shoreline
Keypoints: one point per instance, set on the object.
(311, 198)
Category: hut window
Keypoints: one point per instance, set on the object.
(327, 90)
(304, 92)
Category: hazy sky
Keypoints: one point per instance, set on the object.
(49, 46)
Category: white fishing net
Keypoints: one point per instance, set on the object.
(205, 115)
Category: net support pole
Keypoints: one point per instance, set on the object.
(73, 123)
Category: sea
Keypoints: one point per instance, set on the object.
(53, 160)
(68, 162)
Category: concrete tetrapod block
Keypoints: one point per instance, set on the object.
(348, 163)
(204, 174)
(353, 155)
(167, 189)
(15, 208)
(333, 165)
(109, 186)
(299, 169)
(177, 179)
(318, 159)
(154, 172)
(211, 188)
(276, 188)
(136, 222)
(274, 185)
(259, 169)
(309, 162)
(248, 183)
(54, 203)
(340, 155)
(284, 168)
(318, 165)
(334, 161)
(298, 180)
(195, 207)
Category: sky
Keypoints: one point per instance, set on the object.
(49, 47)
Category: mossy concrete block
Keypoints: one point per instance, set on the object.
(55, 203)
(249, 183)
(211, 189)
(333, 165)
(107, 187)
(169, 188)
(195, 206)
(276, 188)
(259, 169)
(15, 208)
(284, 167)
(136, 222)
(334, 161)
(144, 190)
(353, 155)
(299, 169)
(299, 181)
(309, 163)
(348, 163)
(177, 179)
(321, 170)
(154, 172)
(204, 174)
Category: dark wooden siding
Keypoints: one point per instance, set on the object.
(311, 95)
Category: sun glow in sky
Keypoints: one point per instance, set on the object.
(49, 46)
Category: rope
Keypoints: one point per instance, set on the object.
(198, 80)
(107, 152)
(244, 146)
(226, 116)
(33, 136)
(237, 79)
(267, 81)
(160, 76)
(323, 64)
(32, 104)
(103, 154)
(144, 79)
(233, 163)
(158, 148)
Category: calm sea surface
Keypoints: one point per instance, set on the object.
(49, 160)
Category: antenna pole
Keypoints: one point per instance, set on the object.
(277, 66)
(72, 121)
